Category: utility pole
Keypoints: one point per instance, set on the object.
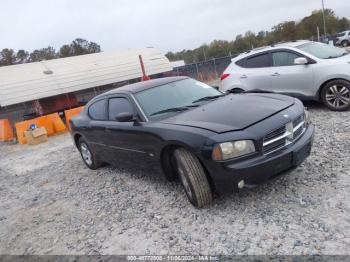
(324, 20)
(205, 57)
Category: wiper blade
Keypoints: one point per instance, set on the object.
(207, 98)
(343, 54)
(259, 91)
(173, 109)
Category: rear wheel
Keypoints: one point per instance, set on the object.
(193, 178)
(88, 155)
(345, 43)
(336, 95)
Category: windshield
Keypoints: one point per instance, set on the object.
(174, 95)
(322, 51)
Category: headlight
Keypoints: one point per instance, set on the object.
(233, 149)
(306, 116)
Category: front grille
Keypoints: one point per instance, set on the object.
(278, 132)
(298, 120)
(274, 146)
(298, 132)
(283, 136)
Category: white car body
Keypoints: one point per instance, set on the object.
(343, 38)
(304, 81)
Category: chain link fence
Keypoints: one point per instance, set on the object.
(206, 71)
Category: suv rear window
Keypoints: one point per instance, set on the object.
(241, 63)
(257, 61)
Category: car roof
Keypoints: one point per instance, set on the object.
(144, 85)
(291, 44)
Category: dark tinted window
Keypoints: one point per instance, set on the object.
(240, 62)
(258, 61)
(117, 106)
(97, 110)
(283, 58)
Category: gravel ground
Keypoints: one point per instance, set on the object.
(52, 204)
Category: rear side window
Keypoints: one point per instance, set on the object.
(117, 106)
(258, 61)
(283, 58)
(97, 111)
(241, 62)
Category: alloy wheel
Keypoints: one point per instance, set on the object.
(86, 154)
(338, 96)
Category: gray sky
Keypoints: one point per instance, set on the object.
(165, 24)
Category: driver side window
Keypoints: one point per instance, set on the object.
(118, 105)
(284, 58)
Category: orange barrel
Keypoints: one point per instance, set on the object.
(6, 131)
(72, 113)
(52, 123)
(21, 127)
(56, 122)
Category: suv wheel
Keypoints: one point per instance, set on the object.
(193, 178)
(336, 95)
(88, 155)
(345, 43)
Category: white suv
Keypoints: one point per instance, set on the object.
(304, 69)
(343, 38)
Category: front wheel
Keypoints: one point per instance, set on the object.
(193, 178)
(336, 95)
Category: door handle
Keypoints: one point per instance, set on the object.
(244, 76)
(276, 74)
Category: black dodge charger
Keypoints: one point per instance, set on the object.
(212, 142)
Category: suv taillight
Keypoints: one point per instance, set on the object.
(223, 76)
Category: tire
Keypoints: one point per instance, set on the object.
(193, 178)
(345, 43)
(336, 95)
(88, 156)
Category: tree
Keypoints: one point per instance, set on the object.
(79, 47)
(286, 31)
(47, 53)
(93, 48)
(7, 57)
(65, 51)
(22, 56)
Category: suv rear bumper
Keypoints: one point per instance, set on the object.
(225, 176)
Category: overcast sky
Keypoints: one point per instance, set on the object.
(165, 24)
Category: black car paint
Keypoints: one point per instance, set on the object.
(229, 118)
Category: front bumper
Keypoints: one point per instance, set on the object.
(225, 176)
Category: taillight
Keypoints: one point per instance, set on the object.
(223, 76)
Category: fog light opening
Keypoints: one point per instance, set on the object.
(241, 184)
